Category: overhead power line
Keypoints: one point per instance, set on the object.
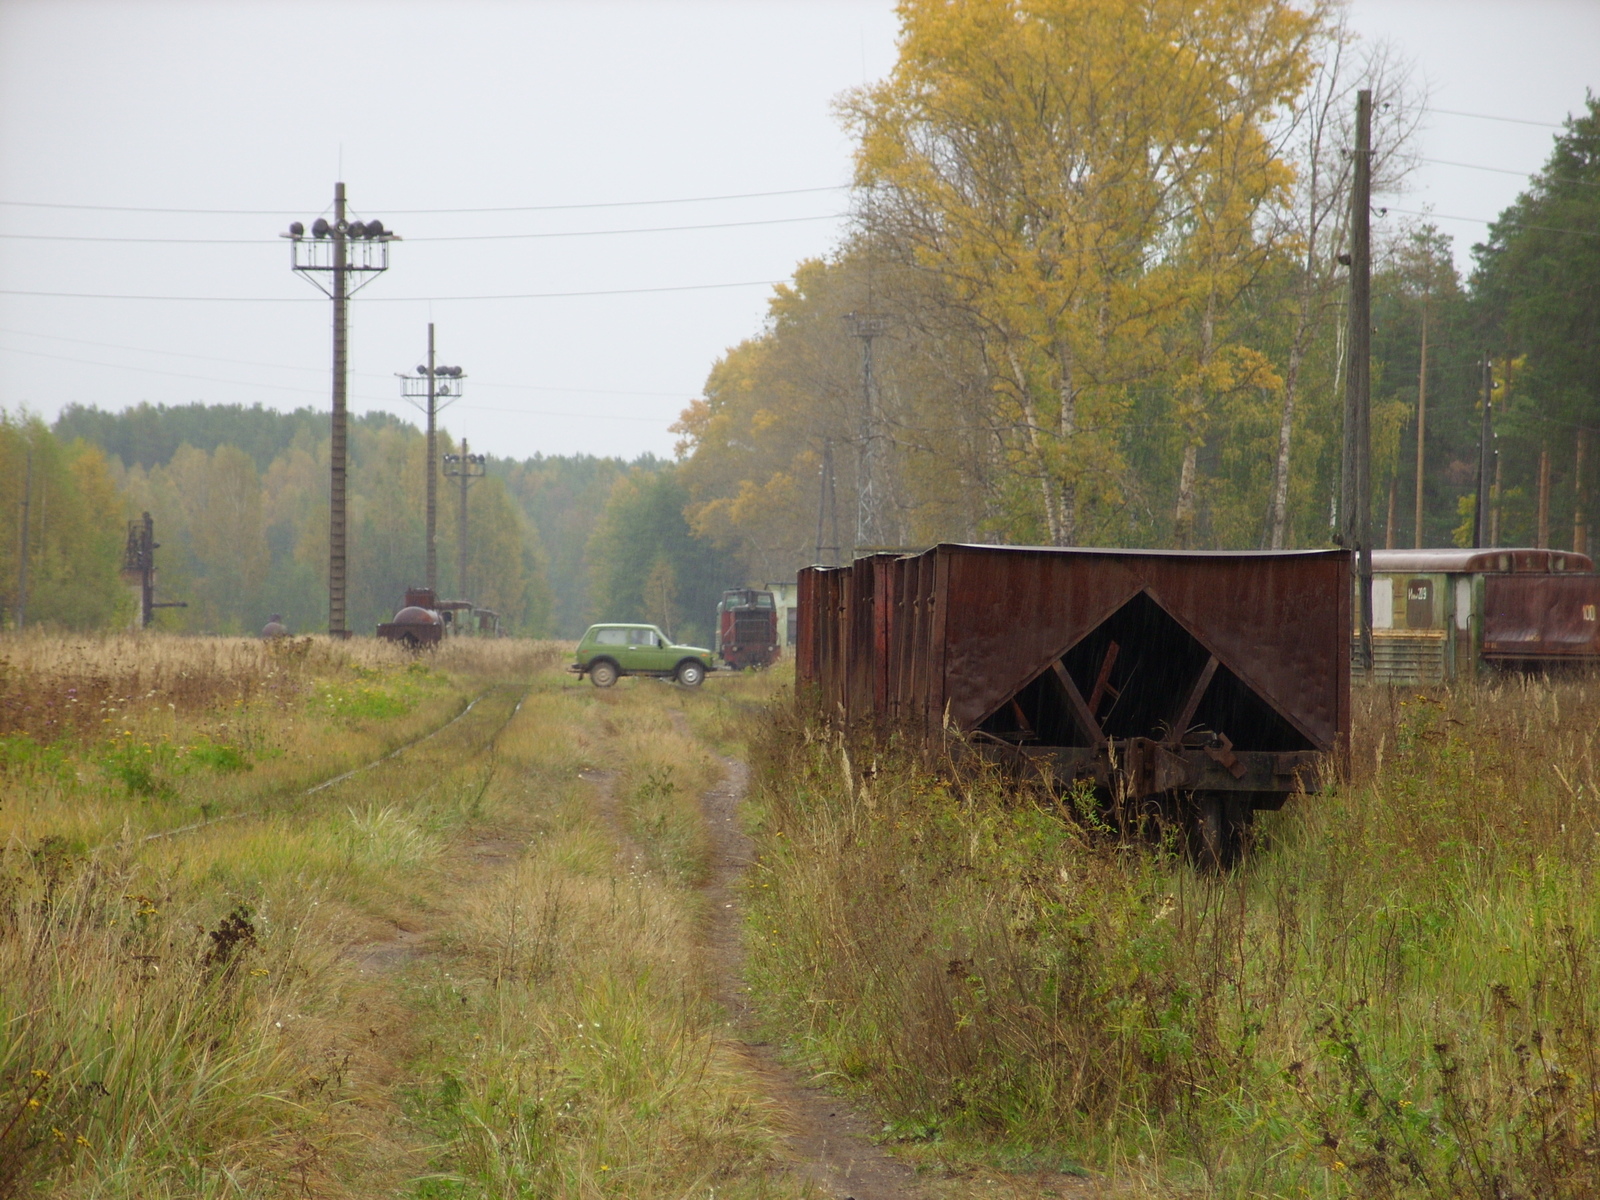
(1442, 162)
(1450, 112)
(245, 362)
(688, 287)
(469, 237)
(412, 212)
(308, 391)
(1416, 212)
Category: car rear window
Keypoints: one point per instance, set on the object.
(611, 637)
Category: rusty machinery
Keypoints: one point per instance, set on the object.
(139, 570)
(424, 620)
(1209, 684)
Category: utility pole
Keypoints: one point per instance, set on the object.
(827, 507)
(1580, 520)
(465, 467)
(869, 508)
(433, 384)
(22, 560)
(433, 474)
(340, 248)
(1356, 502)
(1422, 415)
(1543, 538)
(1485, 449)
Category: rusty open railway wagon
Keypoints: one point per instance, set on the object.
(1208, 685)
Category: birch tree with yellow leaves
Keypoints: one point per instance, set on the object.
(1090, 183)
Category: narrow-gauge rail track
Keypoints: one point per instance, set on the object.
(195, 826)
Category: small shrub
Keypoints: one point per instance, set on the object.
(141, 767)
(219, 757)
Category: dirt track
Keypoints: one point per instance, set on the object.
(829, 1141)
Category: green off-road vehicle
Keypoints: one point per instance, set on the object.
(609, 651)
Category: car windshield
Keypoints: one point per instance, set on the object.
(611, 637)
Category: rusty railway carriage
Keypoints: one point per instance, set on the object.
(1219, 682)
(1441, 613)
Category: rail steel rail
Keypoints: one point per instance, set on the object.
(342, 776)
(1218, 680)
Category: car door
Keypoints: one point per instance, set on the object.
(645, 651)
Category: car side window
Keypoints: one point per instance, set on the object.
(641, 637)
(611, 637)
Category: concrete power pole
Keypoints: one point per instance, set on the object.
(438, 387)
(339, 249)
(1356, 499)
(432, 534)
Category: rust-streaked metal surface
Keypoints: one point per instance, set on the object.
(1496, 560)
(977, 637)
(1541, 617)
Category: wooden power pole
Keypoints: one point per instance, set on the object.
(1356, 498)
(1422, 417)
(1480, 522)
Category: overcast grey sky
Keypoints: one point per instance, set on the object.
(249, 112)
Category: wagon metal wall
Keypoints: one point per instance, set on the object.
(960, 629)
(1534, 617)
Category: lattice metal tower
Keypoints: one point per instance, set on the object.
(869, 434)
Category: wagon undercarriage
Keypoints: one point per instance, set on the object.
(1140, 707)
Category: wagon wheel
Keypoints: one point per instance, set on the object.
(1219, 830)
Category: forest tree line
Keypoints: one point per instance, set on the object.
(1097, 263)
(1094, 294)
(239, 497)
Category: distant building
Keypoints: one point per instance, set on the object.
(787, 598)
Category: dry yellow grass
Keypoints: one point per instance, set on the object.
(465, 971)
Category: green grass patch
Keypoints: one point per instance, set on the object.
(1396, 996)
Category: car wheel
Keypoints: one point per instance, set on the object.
(603, 674)
(690, 674)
